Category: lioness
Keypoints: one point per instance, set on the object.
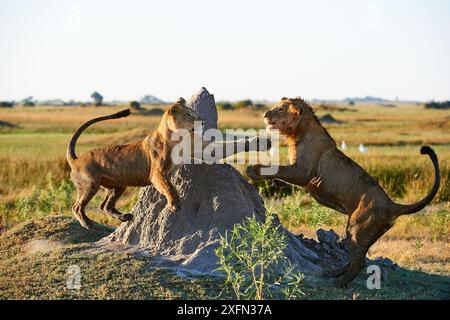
(136, 164)
(336, 181)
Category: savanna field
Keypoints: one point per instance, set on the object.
(36, 196)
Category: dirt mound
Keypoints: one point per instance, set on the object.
(42, 246)
(328, 118)
(151, 112)
(332, 108)
(213, 198)
(49, 232)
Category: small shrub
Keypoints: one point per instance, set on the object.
(252, 258)
(55, 198)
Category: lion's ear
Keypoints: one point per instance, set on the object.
(295, 109)
(181, 102)
(172, 110)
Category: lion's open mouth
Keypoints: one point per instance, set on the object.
(269, 124)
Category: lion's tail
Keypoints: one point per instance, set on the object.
(415, 207)
(71, 155)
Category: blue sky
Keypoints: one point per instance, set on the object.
(237, 49)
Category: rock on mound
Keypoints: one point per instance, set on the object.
(213, 198)
(334, 252)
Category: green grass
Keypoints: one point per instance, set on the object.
(401, 284)
(49, 145)
(298, 209)
(57, 197)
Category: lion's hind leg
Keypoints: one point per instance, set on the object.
(364, 228)
(102, 205)
(85, 192)
(109, 204)
(357, 263)
(336, 272)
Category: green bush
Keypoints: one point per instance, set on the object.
(252, 258)
(56, 198)
(300, 210)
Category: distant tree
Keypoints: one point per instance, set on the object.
(71, 102)
(243, 104)
(98, 98)
(150, 99)
(259, 106)
(351, 103)
(28, 102)
(135, 105)
(224, 105)
(437, 105)
(6, 104)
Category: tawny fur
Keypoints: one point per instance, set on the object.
(136, 164)
(336, 181)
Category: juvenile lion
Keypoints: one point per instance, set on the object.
(136, 164)
(336, 181)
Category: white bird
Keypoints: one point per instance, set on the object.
(363, 149)
(272, 152)
(343, 145)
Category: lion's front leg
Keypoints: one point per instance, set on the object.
(163, 185)
(257, 144)
(224, 149)
(290, 173)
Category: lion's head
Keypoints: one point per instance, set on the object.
(294, 117)
(287, 115)
(179, 116)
